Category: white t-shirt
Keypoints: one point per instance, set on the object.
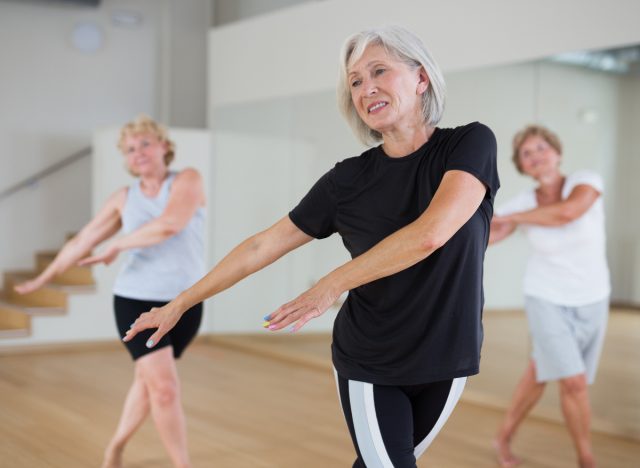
(568, 265)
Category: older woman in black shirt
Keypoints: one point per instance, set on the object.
(414, 213)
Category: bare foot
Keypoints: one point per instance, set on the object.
(506, 459)
(587, 462)
(112, 458)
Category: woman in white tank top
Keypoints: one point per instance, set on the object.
(162, 218)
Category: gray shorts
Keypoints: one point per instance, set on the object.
(566, 341)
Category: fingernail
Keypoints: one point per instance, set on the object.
(131, 326)
(149, 343)
(272, 327)
(266, 317)
(266, 323)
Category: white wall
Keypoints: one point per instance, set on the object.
(228, 11)
(294, 51)
(53, 96)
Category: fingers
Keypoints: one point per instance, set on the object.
(155, 339)
(89, 261)
(147, 321)
(294, 314)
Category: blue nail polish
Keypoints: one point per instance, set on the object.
(266, 317)
(131, 326)
(149, 343)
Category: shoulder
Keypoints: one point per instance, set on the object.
(120, 195)
(473, 129)
(117, 199)
(469, 138)
(350, 168)
(188, 175)
(585, 177)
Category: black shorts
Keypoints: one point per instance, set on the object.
(128, 310)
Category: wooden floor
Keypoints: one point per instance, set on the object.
(250, 403)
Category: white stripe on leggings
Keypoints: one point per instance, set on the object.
(457, 386)
(365, 424)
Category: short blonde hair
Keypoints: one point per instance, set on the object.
(408, 48)
(529, 131)
(143, 124)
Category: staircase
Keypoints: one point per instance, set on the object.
(16, 310)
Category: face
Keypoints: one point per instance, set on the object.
(386, 92)
(144, 153)
(537, 156)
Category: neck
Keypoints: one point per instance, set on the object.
(401, 142)
(550, 183)
(153, 181)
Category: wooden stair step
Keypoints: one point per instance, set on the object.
(30, 310)
(14, 322)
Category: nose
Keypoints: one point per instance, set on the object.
(370, 88)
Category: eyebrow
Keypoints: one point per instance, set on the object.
(368, 65)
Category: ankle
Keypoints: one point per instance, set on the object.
(586, 461)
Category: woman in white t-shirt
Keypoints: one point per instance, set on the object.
(566, 285)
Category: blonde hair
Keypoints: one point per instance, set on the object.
(529, 131)
(143, 124)
(406, 47)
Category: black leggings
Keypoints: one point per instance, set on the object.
(128, 310)
(391, 426)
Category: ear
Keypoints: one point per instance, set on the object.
(423, 81)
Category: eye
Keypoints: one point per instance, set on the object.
(355, 83)
(379, 71)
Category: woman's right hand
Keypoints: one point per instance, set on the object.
(501, 227)
(29, 286)
(163, 318)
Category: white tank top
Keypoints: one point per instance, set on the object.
(161, 271)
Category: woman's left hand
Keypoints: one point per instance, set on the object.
(107, 257)
(308, 305)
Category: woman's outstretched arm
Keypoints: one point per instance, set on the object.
(187, 194)
(103, 226)
(581, 198)
(455, 201)
(250, 256)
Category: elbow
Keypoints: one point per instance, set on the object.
(169, 229)
(431, 243)
(566, 215)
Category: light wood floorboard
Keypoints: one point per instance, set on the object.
(267, 402)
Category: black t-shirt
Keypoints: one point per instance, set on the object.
(422, 324)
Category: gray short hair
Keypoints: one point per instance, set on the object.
(408, 48)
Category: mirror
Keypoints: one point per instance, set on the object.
(286, 144)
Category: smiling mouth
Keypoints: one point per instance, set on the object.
(376, 106)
